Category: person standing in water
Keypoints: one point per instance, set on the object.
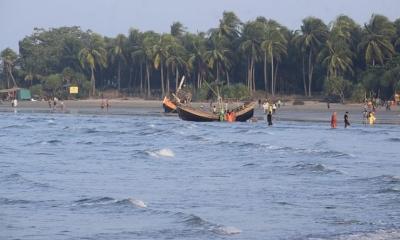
(333, 120)
(346, 120)
(269, 118)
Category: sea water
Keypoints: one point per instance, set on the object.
(68, 176)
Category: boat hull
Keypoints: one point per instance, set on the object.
(191, 114)
(245, 113)
(169, 106)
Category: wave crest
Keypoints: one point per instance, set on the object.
(164, 152)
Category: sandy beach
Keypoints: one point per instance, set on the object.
(311, 111)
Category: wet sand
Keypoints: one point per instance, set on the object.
(311, 111)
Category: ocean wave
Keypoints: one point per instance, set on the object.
(85, 142)
(16, 178)
(17, 126)
(198, 222)
(164, 152)
(385, 179)
(390, 190)
(387, 234)
(315, 168)
(7, 201)
(394, 139)
(286, 149)
(90, 130)
(226, 230)
(101, 201)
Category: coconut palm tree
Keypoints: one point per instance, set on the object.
(313, 35)
(9, 57)
(177, 29)
(137, 54)
(336, 57)
(118, 55)
(274, 45)
(161, 51)
(196, 61)
(149, 41)
(93, 54)
(376, 42)
(217, 57)
(250, 45)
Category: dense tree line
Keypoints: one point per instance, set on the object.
(341, 59)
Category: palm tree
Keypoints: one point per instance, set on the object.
(177, 29)
(9, 57)
(137, 54)
(197, 60)
(274, 46)
(229, 25)
(161, 52)
(337, 59)
(217, 57)
(118, 54)
(250, 45)
(313, 35)
(149, 41)
(93, 54)
(376, 42)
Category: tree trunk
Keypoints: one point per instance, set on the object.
(265, 73)
(310, 73)
(93, 81)
(141, 77)
(217, 72)
(304, 78)
(272, 75)
(168, 85)
(130, 79)
(162, 80)
(198, 79)
(227, 77)
(248, 73)
(11, 75)
(253, 78)
(119, 76)
(276, 75)
(176, 78)
(148, 80)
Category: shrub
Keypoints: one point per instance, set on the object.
(37, 91)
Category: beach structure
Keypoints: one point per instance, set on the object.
(16, 93)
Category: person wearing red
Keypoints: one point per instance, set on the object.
(333, 120)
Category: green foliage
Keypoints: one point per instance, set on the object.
(262, 54)
(337, 86)
(52, 84)
(236, 91)
(358, 93)
(37, 91)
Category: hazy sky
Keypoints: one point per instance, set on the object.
(108, 17)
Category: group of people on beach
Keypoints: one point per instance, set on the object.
(53, 103)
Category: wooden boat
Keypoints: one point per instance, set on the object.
(168, 105)
(245, 112)
(197, 115)
(187, 113)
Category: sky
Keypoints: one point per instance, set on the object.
(18, 18)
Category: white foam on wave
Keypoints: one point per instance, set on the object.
(137, 203)
(164, 152)
(227, 230)
(377, 235)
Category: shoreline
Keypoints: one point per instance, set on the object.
(311, 111)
